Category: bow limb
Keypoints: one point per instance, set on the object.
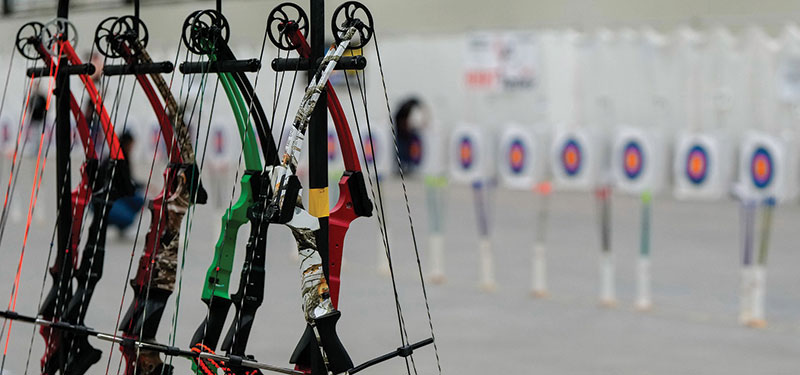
(353, 200)
(115, 151)
(180, 127)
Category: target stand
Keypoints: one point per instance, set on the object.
(579, 162)
(379, 148)
(522, 166)
(427, 153)
(640, 166)
(379, 154)
(767, 174)
(471, 162)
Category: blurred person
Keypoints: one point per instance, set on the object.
(410, 120)
(124, 211)
(38, 110)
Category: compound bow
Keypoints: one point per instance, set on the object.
(154, 282)
(206, 33)
(105, 184)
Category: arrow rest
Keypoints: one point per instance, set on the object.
(280, 24)
(28, 37)
(352, 14)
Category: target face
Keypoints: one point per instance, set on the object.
(516, 156)
(6, 132)
(415, 150)
(219, 142)
(331, 146)
(697, 165)
(466, 152)
(571, 157)
(632, 160)
(369, 149)
(761, 168)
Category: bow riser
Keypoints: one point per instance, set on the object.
(250, 295)
(352, 191)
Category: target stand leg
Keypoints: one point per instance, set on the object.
(436, 245)
(487, 280)
(746, 298)
(383, 262)
(758, 319)
(539, 271)
(607, 293)
(644, 300)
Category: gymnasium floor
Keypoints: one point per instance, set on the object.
(692, 329)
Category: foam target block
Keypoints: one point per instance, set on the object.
(578, 158)
(224, 143)
(522, 157)
(639, 160)
(470, 154)
(379, 148)
(768, 166)
(433, 151)
(704, 166)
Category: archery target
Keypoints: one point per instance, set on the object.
(577, 159)
(767, 167)
(469, 154)
(521, 162)
(572, 157)
(702, 166)
(639, 161)
(761, 167)
(379, 149)
(697, 165)
(218, 142)
(335, 163)
(224, 143)
(416, 150)
(632, 159)
(434, 150)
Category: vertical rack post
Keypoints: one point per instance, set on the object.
(318, 136)
(63, 173)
